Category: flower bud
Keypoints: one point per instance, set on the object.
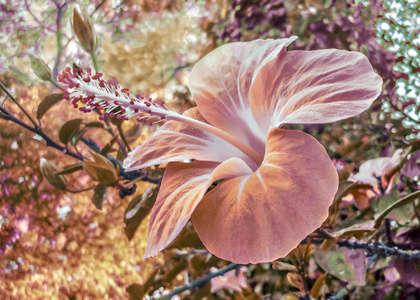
(83, 29)
(40, 68)
(101, 169)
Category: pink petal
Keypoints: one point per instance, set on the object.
(313, 87)
(263, 216)
(176, 141)
(183, 186)
(220, 84)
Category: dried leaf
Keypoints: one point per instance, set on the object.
(294, 280)
(282, 266)
(99, 195)
(316, 288)
(345, 172)
(68, 130)
(150, 280)
(135, 291)
(47, 103)
(50, 170)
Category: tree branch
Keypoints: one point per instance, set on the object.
(379, 249)
(200, 282)
(17, 103)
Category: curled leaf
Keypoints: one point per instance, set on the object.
(282, 266)
(50, 170)
(47, 103)
(319, 283)
(68, 130)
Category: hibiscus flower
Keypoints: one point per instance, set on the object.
(273, 186)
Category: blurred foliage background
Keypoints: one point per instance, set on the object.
(70, 237)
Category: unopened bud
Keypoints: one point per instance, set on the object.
(101, 169)
(83, 29)
(40, 68)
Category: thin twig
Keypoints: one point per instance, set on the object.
(379, 249)
(49, 142)
(17, 103)
(97, 7)
(200, 282)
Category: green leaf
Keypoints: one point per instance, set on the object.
(137, 210)
(69, 129)
(388, 205)
(77, 136)
(47, 103)
(95, 125)
(347, 265)
(70, 169)
(358, 231)
(99, 195)
(108, 147)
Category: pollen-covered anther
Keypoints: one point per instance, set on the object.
(91, 92)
